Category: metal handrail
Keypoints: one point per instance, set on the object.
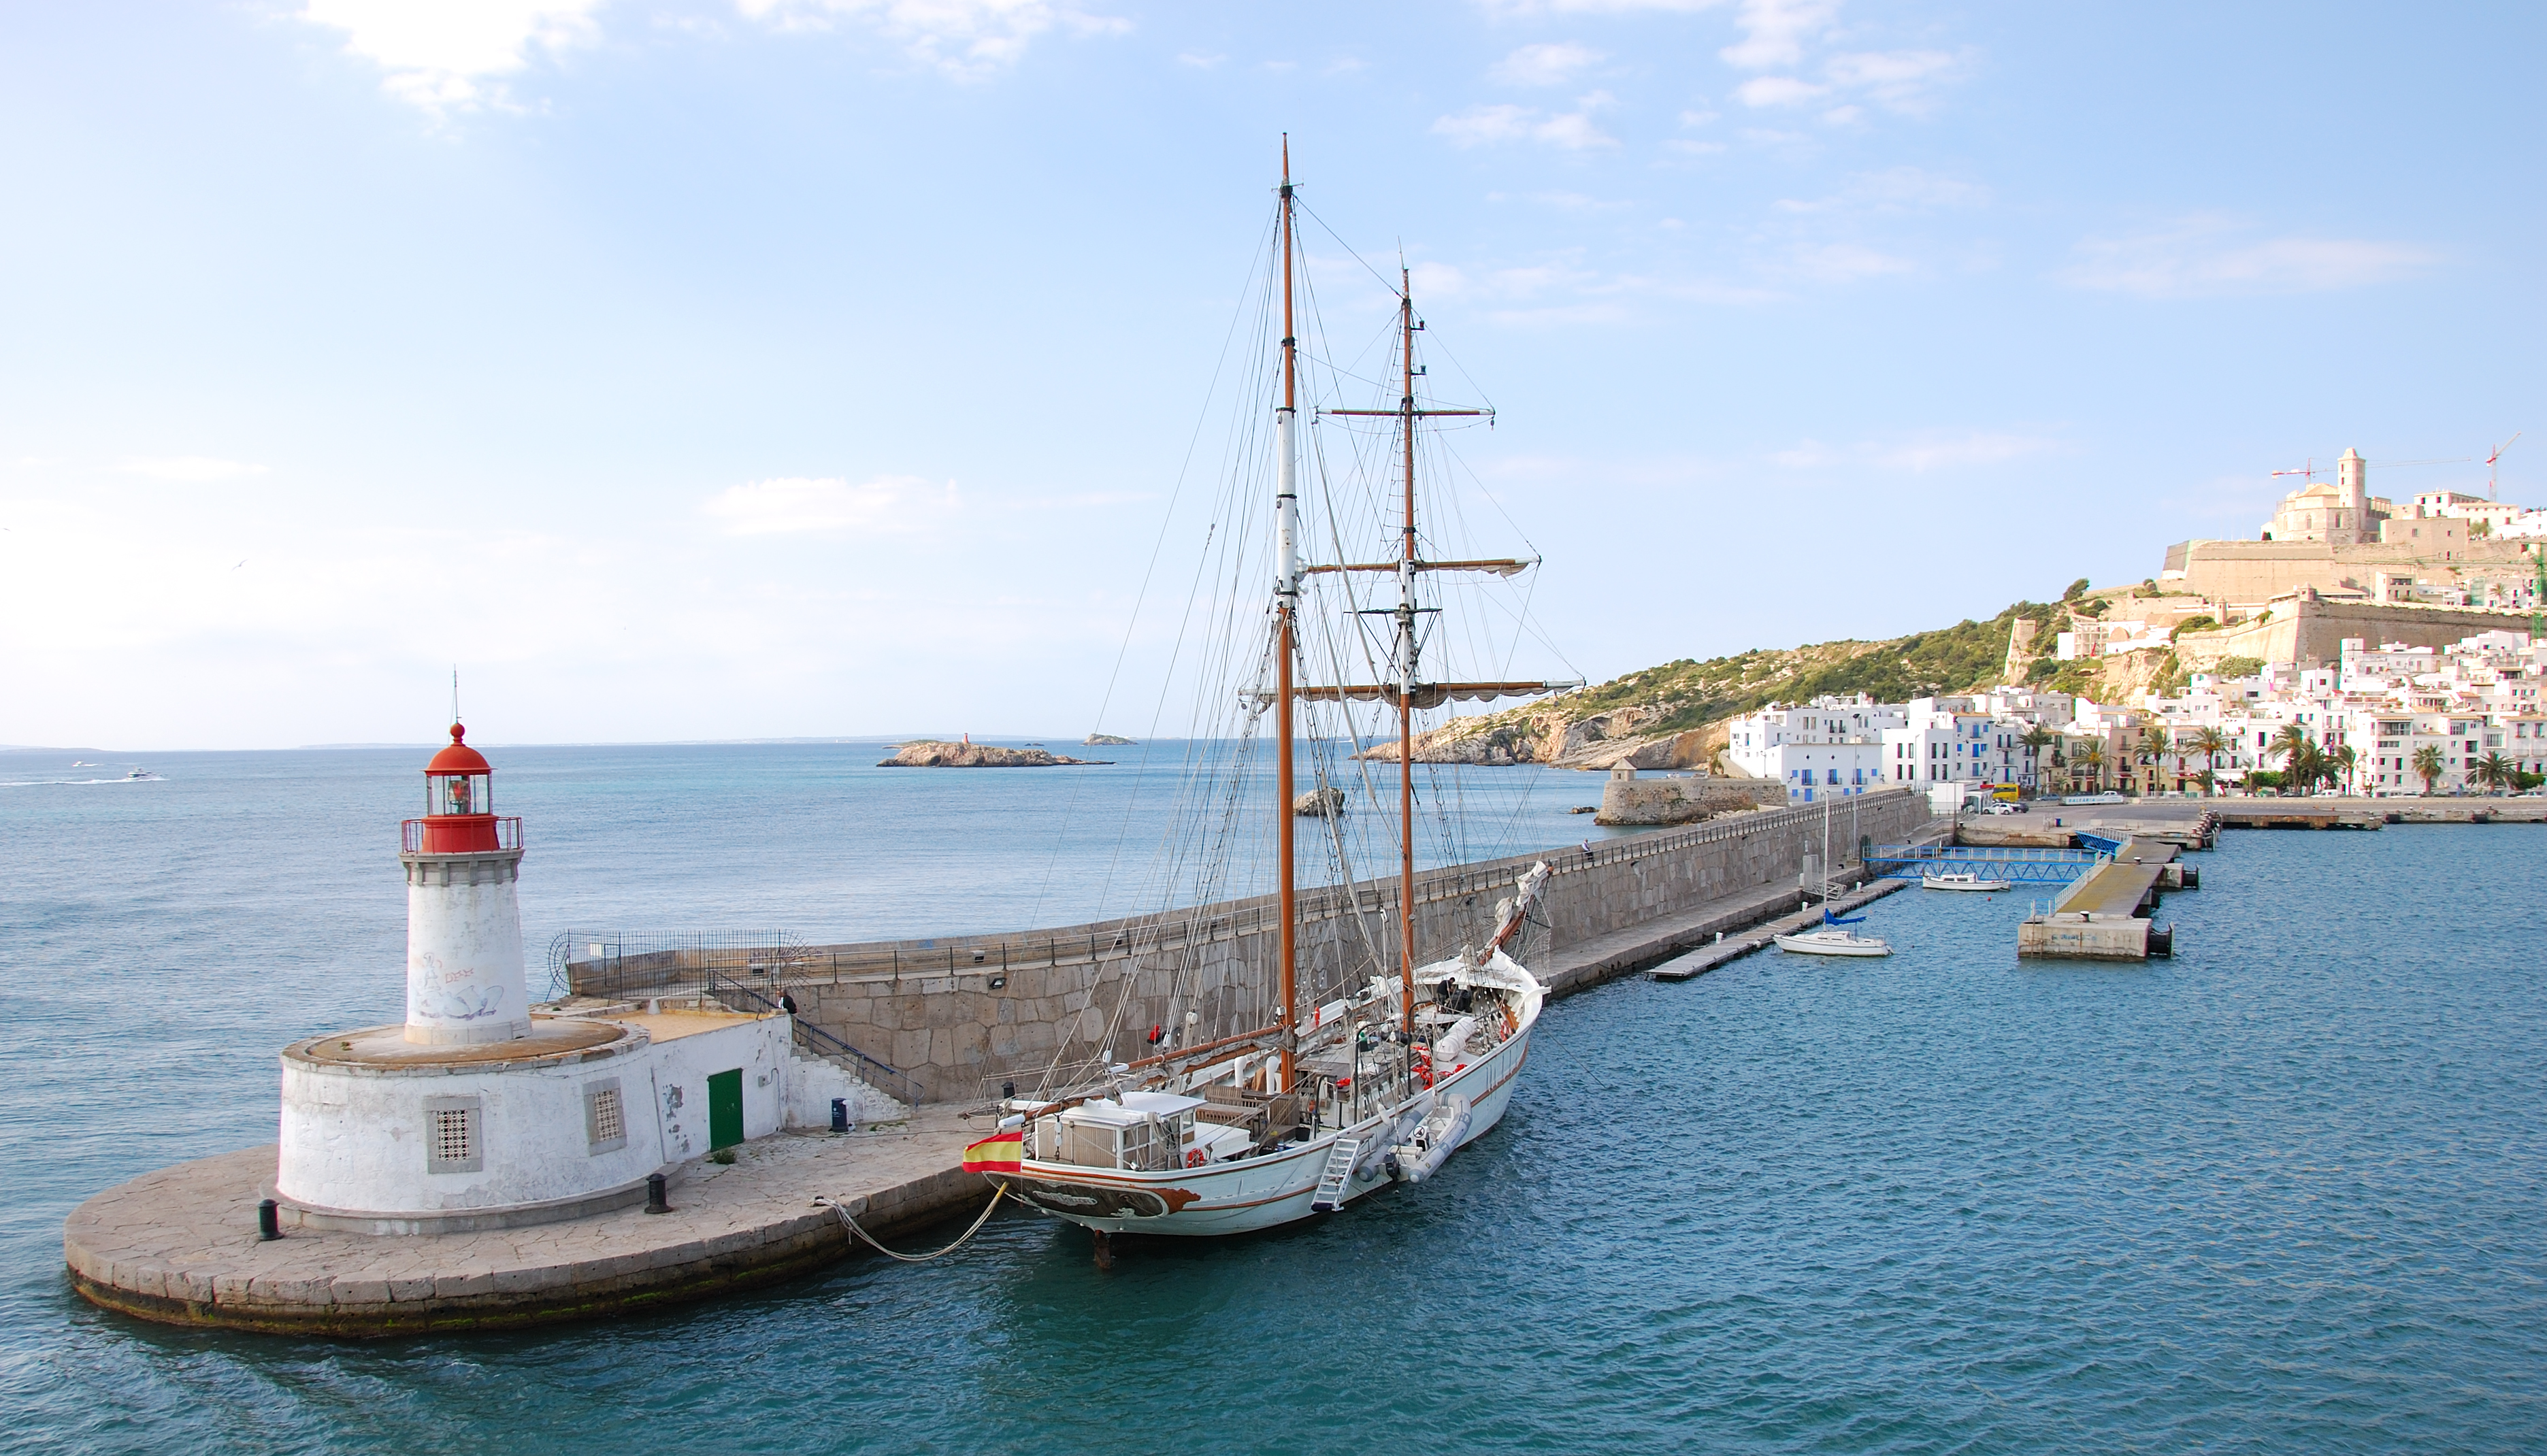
(508, 833)
(823, 1043)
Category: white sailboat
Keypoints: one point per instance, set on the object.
(1834, 938)
(1331, 1101)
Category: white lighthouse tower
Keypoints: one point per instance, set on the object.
(465, 981)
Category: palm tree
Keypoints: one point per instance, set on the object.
(2493, 771)
(2210, 742)
(2209, 780)
(2093, 761)
(2345, 759)
(2292, 741)
(2428, 765)
(2034, 738)
(2309, 767)
(2153, 751)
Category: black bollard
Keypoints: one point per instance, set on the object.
(1104, 1249)
(269, 1221)
(839, 1114)
(654, 1194)
(1007, 1091)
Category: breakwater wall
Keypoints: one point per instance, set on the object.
(960, 1013)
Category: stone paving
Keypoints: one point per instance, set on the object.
(180, 1247)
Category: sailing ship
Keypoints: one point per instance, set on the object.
(1408, 1061)
(1834, 938)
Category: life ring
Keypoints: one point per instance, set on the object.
(1194, 1157)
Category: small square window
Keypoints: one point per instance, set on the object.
(605, 1116)
(453, 1139)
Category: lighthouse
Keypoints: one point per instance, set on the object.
(465, 981)
(482, 1110)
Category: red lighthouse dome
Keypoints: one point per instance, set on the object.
(460, 804)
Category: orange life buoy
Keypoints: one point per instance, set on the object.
(1193, 1157)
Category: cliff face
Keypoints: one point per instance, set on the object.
(975, 755)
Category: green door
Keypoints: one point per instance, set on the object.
(725, 1108)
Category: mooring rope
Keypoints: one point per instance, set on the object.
(917, 1258)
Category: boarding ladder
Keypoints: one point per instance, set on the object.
(1341, 1155)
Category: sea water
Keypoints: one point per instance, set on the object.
(2283, 1193)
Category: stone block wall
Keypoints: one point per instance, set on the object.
(962, 1013)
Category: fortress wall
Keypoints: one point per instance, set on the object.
(2310, 631)
(2251, 572)
(931, 1008)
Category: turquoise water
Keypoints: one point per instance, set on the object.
(2283, 1193)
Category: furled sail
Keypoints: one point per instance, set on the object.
(1426, 694)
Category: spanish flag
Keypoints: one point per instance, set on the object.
(997, 1154)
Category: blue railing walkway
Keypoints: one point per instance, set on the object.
(2015, 866)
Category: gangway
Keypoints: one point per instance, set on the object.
(2015, 866)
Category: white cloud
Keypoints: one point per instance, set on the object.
(1694, 148)
(1199, 62)
(794, 505)
(1921, 453)
(1897, 79)
(1774, 32)
(1695, 118)
(1895, 189)
(2203, 256)
(1778, 91)
(1516, 9)
(966, 40)
(1572, 130)
(1846, 263)
(190, 470)
(1552, 64)
(448, 55)
(1438, 281)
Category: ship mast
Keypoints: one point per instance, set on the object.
(1287, 605)
(1406, 669)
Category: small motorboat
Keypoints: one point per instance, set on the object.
(1964, 881)
(1835, 939)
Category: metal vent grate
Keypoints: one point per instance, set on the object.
(605, 1116)
(451, 1135)
(451, 1139)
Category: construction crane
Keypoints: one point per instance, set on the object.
(2490, 459)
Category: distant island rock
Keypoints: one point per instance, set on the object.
(978, 755)
(1325, 803)
(1106, 740)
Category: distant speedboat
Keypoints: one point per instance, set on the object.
(1965, 882)
(139, 775)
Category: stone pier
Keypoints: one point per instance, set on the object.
(960, 1013)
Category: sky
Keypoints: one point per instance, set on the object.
(728, 369)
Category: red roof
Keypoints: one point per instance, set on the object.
(459, 759)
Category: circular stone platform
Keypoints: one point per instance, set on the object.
(179, 1246)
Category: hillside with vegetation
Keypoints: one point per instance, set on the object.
(1673, 714)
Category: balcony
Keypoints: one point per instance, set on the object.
(461, 833)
